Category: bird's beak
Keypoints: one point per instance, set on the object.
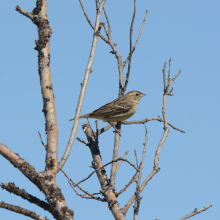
(142, 95)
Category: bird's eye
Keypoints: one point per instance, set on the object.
(137, 94)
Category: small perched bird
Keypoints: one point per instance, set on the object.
(119, 109)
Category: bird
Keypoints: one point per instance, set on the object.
(118, 110)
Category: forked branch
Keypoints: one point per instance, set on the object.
(166, 130)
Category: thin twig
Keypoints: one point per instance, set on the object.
(73, 184)
(82, 141)
(195, 212)
(124, 63)
(23, 12)
(166, 130)
(108, 22)
(105, 166)
(175, 77)
(42, 141)
(130, 53)
(168, 79)
(119, 164)
(90, 23)
(83, 88)
(150, 119)
(130, 182)
(137, 193)
(97, 133)
(136, 156)
(104, 129)
(164, 76)
(131, 200)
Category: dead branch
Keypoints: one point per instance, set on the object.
(196, 211)
(135, 153)
(10, 187)
(105, 166)
(97, 133)
(42, 141)
(124, 63)
(19, 163)
(115, 155)
(108, 22)
(83, 87)
(127, 185)
(106, 189)
(166, 130)
(119, 164)
(50, 189)
(89, 21)
(22, 211)
(150, 119)
(106, 128)
(23, 12)
(82, 141)
(130, 53)
(73, 184)
(137, 193)
(150, 176)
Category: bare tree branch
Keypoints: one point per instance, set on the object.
(136, 157)
(42, 46)
(97, 133)
(175, 77)
(83, 88)
(166, 130)
(150, 119)
(90, 23)
(85, 196)
(137, 193)
(10, 187)
(82, 141)
(106, 128)
(108, 22)
(131, 200)
(23, 12)
(195, 212)
(124, 63)
(19, 163)
(45, 181)
(106, 189)
(42, 141)
(22, 211)
(119, 164)
(130, 53)
(127, 185)
(105, 166)
(115, 155)
(73, 184)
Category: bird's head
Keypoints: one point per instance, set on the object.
(135, 95)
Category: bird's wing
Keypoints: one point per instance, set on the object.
(118, 106)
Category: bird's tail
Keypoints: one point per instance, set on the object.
(83, 116)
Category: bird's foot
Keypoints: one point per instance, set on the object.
(116, 130)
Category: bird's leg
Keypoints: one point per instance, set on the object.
(118, 131)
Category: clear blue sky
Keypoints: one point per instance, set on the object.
(186, 31)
